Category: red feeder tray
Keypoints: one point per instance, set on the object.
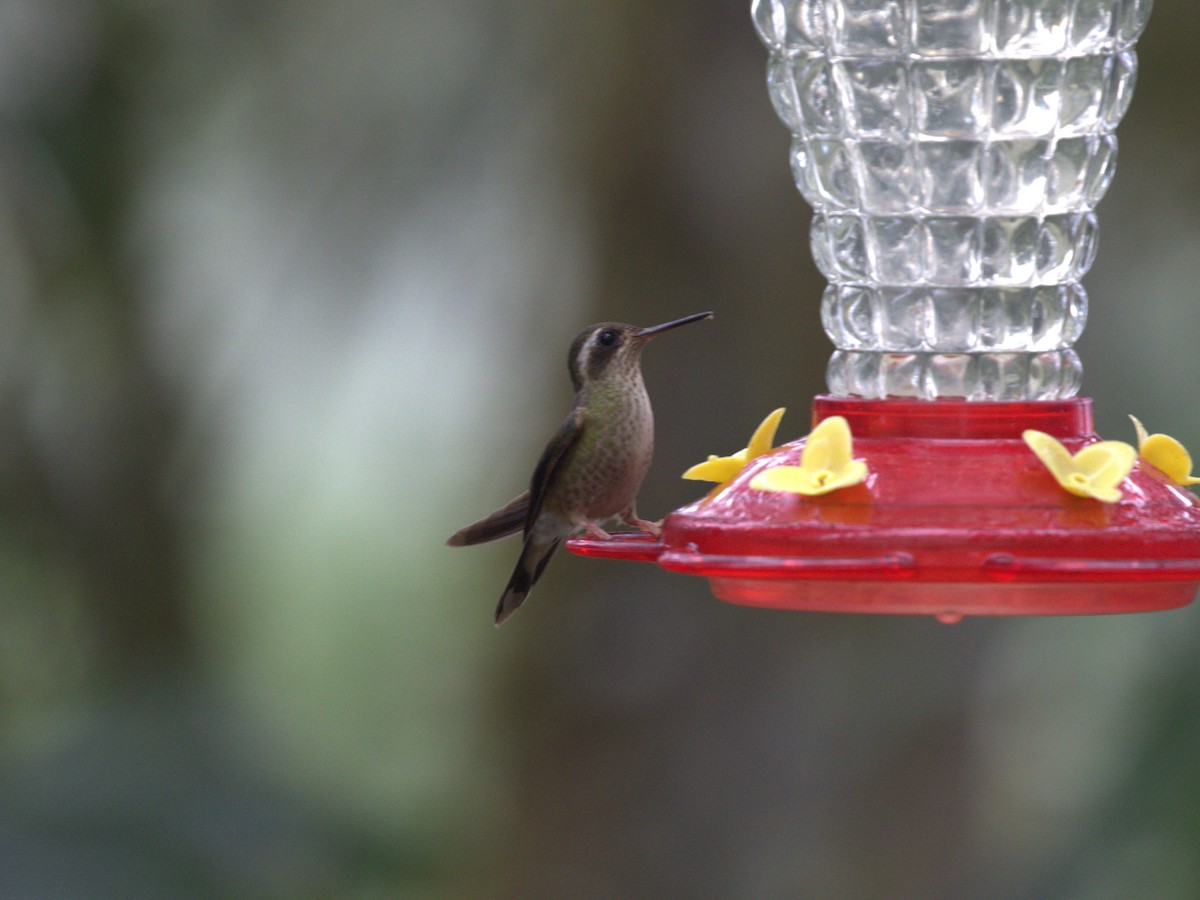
(957, 517)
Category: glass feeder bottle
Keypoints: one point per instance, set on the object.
(953, 151)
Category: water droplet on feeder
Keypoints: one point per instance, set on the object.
(949, 618)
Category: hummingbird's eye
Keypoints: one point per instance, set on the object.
(607, 339)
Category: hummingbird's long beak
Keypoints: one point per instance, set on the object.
(667, 326)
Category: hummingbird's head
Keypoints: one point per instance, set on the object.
(613, 347)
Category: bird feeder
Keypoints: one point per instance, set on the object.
(953, 153)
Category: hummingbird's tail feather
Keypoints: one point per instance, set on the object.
(508, 519)
(528, 570)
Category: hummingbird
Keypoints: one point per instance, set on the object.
(594, 465)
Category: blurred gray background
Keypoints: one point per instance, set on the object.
(285, 296)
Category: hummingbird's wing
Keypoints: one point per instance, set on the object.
(539, 547)
(549, 466)
(508, 519)
(543, 534)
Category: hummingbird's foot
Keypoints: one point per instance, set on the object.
(654, 529)
(596, 533)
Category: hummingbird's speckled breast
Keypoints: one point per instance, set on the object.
(606, 467)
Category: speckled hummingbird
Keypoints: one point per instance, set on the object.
(593, 466)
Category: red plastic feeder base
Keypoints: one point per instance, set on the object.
(957, 517)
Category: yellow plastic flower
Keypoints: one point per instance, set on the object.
(723, 469)
(1166, 454)
(1095, 471)
(826, 464)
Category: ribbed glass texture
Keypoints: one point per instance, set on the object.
(953, 151)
